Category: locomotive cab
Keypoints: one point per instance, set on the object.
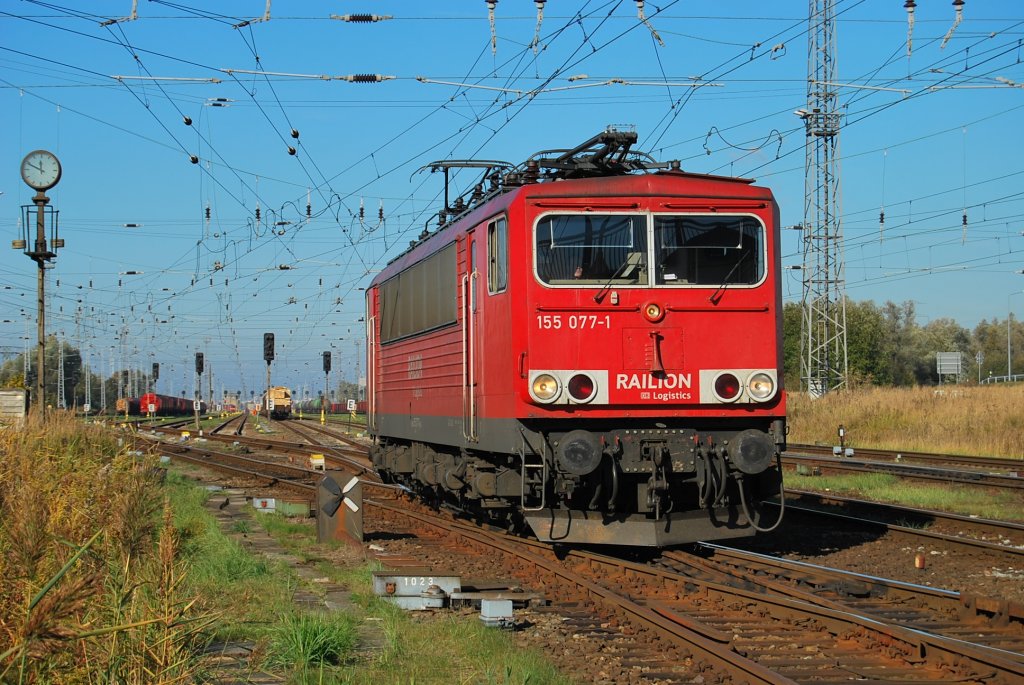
(653, 381)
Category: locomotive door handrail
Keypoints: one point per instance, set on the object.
(468, 356)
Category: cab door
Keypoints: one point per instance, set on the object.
(470, 344)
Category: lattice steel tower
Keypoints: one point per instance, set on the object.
(823, 360)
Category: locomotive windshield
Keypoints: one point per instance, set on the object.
(612, 249)
(581, 249)
(708, 250)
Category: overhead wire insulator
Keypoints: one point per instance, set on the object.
(958, 5)
(910, 6)
(309, 207)
(645, 22)
(362, 210)
(207, 212)
(295, 134)
(257, 214)
(540, 20)
(491, 4)
(380, 211)
(366, 78)
(291, 150)
(361, 18)
(187, 120)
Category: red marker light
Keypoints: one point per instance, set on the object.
(727, 387)
(581, 387)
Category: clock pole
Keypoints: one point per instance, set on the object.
(40, 255)
(49, 173)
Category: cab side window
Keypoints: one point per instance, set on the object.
(497, 256)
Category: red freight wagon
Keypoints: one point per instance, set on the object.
(167, 405)
(590, 347)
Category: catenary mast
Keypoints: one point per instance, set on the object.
(823, 358)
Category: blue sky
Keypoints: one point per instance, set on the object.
(929, 136)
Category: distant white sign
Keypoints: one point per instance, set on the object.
(152, 408)
(195, 405)
(351, 405)
(949, 363)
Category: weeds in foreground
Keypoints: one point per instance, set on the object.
(312, 640)
(89, 595)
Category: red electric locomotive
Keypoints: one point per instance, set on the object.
(590, 347)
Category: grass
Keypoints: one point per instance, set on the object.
(450, 648)
(971, 420)
(93, 576)
(245, 592)
(253, 603)
(313, 640)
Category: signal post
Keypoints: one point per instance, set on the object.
(268, 356)
(199, 381)
(323, 398)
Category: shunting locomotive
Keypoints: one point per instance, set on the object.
(279, 402)
(588, 344)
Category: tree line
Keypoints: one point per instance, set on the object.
(887, 346)
(12, 375)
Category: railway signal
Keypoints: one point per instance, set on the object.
(268, 347)
(268, 356)
(323, 395)
(199, 373)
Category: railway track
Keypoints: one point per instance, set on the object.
(753, 634)
(996, 625)
(930, 458)
(314, 432)
(1000, 536)
(267, 473)
(932, 467)
(341, 457)
(236, 423)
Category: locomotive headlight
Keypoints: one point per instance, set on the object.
(653, 312)
(727, 387)
(760, 386)
(544, 388)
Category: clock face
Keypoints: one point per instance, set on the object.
(40, 169)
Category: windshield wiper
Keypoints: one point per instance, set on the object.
(717, 295)
(632, 259)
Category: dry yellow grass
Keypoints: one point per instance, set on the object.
(87, 593)
(974, 420)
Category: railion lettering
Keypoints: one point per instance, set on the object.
(644, 381)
